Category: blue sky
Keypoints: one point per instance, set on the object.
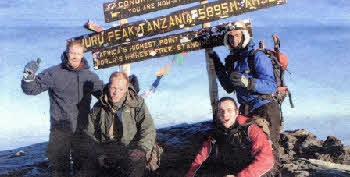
(314, 34)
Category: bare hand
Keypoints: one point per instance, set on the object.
(136, 154)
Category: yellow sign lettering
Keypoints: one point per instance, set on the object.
(171, 22)
(131, 30)
(110, 35)
(201, 14)
(178, 20)
(156, 24)
(217, 9)
(125, 33)
(149, 27)
(233, 6)
(256, 2)
(141, 28)
(164, 26)
(224, 7)
(117, 34)
(101, 39)
(94, 40)
(210, 11)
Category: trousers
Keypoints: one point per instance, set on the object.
(118, 159)
(61, 146)
(268, 117)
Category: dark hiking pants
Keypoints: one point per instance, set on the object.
(120, 164)
(268, 117)
(60, 147)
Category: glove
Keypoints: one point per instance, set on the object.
(213, 55)
(216, 60)
(230, 63)
(30, 69)
(239, 80)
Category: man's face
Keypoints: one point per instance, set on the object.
(227, 113)
(76, 53)
(117, 89)
(235, 38)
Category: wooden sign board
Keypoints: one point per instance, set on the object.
(176, 20)
(129, 8)
(161, 46)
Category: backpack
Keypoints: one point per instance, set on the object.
(232, 146)
(279, 62)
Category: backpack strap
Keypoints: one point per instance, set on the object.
(251, 67)
(251, 55)
(244, 133)
(241, 132)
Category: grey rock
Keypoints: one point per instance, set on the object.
(301, 173)
(18, 154)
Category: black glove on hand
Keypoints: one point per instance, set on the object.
(239, 80)
(214, 56)
(230, 63)
(216, 60)
(30, 69)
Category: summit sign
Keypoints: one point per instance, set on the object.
(177, 20)
(129, 8)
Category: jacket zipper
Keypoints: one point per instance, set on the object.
(78, 87)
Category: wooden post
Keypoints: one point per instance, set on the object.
(126, 67)
(213, 87)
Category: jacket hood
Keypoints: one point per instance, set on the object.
(65, 64)
(132, 99)
(243, 53)
(246, 41)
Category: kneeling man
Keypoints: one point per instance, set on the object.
(121, 131)
(235, 148)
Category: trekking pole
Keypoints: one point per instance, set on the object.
(290, 99)
(277, 46)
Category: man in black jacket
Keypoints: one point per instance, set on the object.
(69, 85)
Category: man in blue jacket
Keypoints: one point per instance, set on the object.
(250, 82)
(69, 85)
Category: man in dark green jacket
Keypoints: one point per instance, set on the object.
(120, 131)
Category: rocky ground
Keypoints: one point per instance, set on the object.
(302, 154)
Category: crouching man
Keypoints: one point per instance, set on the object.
(120, 132)
(235, 148)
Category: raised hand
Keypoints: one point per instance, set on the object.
(30, 69)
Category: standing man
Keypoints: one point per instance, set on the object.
(120, 131)
(235, 148)
(70, 85)
(254, 82)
